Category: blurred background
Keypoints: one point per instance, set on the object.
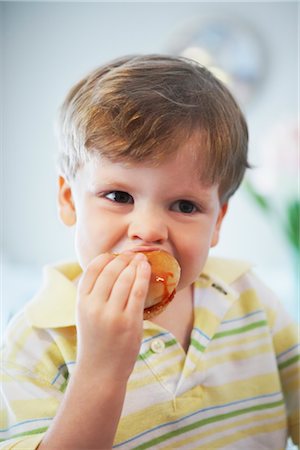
(47, 47)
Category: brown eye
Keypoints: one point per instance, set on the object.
(184, 206)
(119, 197)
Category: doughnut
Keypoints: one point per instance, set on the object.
(165, 274)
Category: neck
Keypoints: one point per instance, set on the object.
(178, 317)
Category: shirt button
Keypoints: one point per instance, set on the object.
(157, 346)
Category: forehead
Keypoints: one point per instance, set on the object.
(183, 148)
(181, 169)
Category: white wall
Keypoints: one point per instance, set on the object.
(49, 46)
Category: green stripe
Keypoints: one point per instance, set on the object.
(27, 433)
(170, 343)
(150, 352)
(206, 421)
(288, 362)
(249, 327)
(63, 386)
(197, 345)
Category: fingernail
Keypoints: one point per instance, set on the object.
(140, 257)
(145, 266)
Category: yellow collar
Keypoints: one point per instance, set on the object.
(54, 305)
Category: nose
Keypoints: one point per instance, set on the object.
(148, 226)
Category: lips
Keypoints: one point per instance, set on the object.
(146, 249)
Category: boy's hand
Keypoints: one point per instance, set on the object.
(111, 297)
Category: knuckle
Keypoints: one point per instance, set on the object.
(128, 275)
(93, 265)
(139, 293)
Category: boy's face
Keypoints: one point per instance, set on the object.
(117, 207)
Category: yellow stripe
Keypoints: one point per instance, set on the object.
(138, 384)
(295, 429)
(266, 428)
(158, 373)
(291, 378)
(153, 416)
(239, 389)
(27, 442)
(23, 409)
(20, 343)
(66, 338)
(285, 338)
(293, 385)
(219, 344)
(176, 354)
(239, 355)
(206, 320)
(198, 361)
(49, 362)
(150, 417)
(247, 304)
(23, 378)
(221, 428)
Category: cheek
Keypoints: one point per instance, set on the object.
(192, 255)
(88, 239)
(95, 234)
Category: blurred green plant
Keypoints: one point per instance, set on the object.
(274, 185)
(288, 219)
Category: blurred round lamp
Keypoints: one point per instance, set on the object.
(230, 49)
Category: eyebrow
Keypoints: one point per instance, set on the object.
(109, 184)
(189, 192)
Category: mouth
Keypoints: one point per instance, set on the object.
(145, 248)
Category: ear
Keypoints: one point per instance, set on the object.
(216, 232)
(66, 208)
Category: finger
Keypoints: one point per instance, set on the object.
(92, 272)
(124, 283)
(105, 282)
(137, 297)
(122, 287)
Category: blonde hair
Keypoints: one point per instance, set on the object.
(140, 108)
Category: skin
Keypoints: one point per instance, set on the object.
(125, 209)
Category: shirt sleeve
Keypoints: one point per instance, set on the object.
(31, 388)
(28, 405)
(285, 336)
(22, 443)
(286, 344)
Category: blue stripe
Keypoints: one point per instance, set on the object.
(201, 333)
(243, 317)
(70, 363)
(154, 337)
(274, 394)
(3, 430)
(287, 351)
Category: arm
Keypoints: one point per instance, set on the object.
(111, 297)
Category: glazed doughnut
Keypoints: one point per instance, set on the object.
(165, 274)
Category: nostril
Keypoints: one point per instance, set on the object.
(147, 238)
(148, 231)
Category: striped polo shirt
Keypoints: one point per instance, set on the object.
(237, 387)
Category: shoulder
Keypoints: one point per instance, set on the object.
(228, 270)
(241, 277)
(255, 306)
(249, 290)
(41, 337)
(21, 347)
(54, 305)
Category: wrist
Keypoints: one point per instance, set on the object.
(88, 377)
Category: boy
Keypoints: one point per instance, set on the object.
(151, 150)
